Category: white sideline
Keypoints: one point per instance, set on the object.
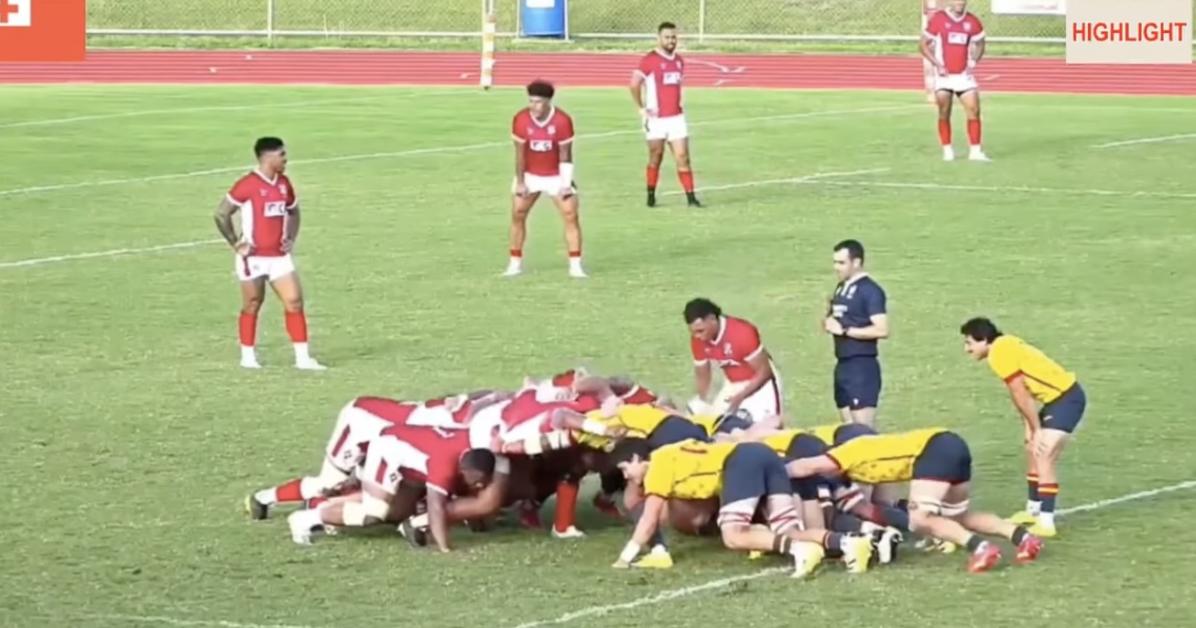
(1147, 140)
(813, 179)
(445, 149)
(1011, 188)
(665, 596)
(195, 243)
(171, 621)
(112, 253)
(285, 105)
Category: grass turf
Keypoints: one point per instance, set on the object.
(132, 436)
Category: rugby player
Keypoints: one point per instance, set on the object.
(744, 476)
(938, 466)
(543, 137)
(953, 43)
(1051, 402)
(262, 247)
(734, 344)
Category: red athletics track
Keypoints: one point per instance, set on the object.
(588, 69)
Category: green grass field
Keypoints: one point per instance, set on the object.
(132, 436)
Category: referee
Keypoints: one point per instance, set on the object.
(856, 320)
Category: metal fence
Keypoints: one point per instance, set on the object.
(721, 20)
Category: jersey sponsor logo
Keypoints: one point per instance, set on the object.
(275, 209)
(671, 78)
(957, 38)
(838, 310)
(540, 146)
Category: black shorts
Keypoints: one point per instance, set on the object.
(754, 471)
(674, 429)
(1064, 413)
(806, 446)
(946, 458)
(849, 431)
(857, 382)
(728, 423)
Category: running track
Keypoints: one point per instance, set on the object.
(587, 69)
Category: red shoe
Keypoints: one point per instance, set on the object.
(607, 506)
(984, 558)
(529, 515)
(1028, 549)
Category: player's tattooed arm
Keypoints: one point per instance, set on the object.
(224, 222)
(978, 49)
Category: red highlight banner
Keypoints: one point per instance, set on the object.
(43, 30)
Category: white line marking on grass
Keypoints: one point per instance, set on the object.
(665, 596)
(155, 112)
(113, 253)
(440, 149)
(171, 621)
(1010, 188)
(1148, 140)
(196, 243)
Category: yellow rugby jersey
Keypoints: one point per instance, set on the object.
(690, 469)
(1010, 356)
(882, 457)
(708, 422)
(780, 441)
(639, 420)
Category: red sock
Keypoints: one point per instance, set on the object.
(315, 502)
(516, 253)
(575, 254)
(974, 132)
(297, 326)
(653, 176)
(289, 492)
(248, 326)
(945, 132)
(566, 506)
(687, 180)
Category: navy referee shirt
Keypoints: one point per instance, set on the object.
(855, 302)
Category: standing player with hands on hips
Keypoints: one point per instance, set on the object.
(269, 212)
(543, 137)
(656, 90)
(954, 43)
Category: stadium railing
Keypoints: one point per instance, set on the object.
(703, 20)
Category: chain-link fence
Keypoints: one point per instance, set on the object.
(702, 19)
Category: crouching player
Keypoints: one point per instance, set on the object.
(400, 457)
(938, 466)
(743, 476)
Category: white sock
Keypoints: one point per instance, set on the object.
(659, 549)
(976, 149)
(1046, 519)
(575, 263)
(301, 354)
(310, 487)
(1033, 507)
(266, 496)
(248, 354)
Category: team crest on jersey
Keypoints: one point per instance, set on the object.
(283, 189)
(851, 291)
(551, 130)
(262, 192)
(967, 26)
(726, 347)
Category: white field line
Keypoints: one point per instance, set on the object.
(672, 594)
(113, 253)
(814, 179)
(444, 149)
(155, 112)
(171, 621)
(196, 243)
(1008, 189)
(1147, 140)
